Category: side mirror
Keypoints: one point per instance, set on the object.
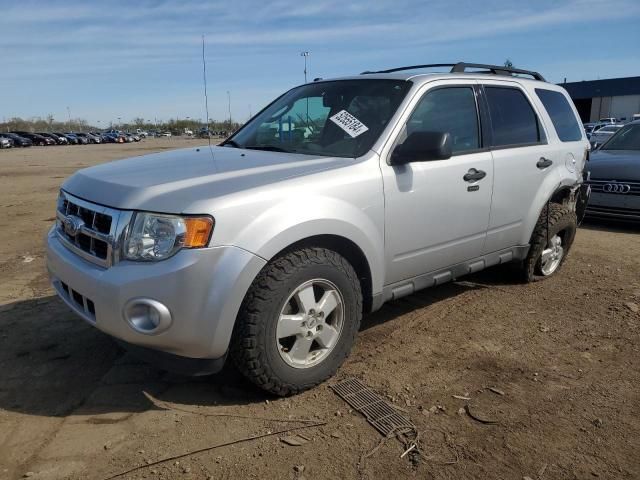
(422, 147)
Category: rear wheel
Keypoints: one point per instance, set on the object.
(298, 322)
(550, 242)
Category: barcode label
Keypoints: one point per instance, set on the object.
(349, 123)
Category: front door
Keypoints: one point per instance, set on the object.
(434, 217)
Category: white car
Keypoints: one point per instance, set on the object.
(165, 134)
(608, 120)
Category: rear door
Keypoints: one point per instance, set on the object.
(522, 159)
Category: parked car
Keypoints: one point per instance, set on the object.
(81, 139)
(89, 137)
(273, 252)
(134, 136)
(608, 121)
(115, 137)
(36, 139)
(165, 134)
(5, 142)
(588, 129)
(56, 138)
(615, 176)
(603, 134)
(72, 139)
(18, 140)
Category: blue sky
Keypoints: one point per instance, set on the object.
(106, 60)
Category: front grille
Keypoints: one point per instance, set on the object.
(624, 187)
(606, 211)
(88, 229)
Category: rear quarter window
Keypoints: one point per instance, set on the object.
(561, 113)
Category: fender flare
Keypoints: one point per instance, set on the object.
(289, 222)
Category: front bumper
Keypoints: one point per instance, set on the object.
(614, 206)
(202, 288)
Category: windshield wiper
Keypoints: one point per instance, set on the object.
(268, 148)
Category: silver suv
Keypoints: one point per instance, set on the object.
(337, 197)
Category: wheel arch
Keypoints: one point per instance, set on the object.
(553, 191)
(347, 249)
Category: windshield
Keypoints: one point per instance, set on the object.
(628, 138)
(341, 118)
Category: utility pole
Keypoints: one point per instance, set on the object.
(306, 56)
(229, 101)
(69, 117)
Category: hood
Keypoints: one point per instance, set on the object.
(171, 181)
(615, 165)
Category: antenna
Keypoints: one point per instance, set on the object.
(206, 98)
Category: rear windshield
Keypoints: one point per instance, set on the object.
(342, 118)
(561, 113)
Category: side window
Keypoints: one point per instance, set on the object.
(513, 120)
(562, 116)
(451, 109)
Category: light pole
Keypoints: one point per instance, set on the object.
(229, 101)
(69, 117)
(306, 56)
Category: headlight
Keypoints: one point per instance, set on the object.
(153, 237)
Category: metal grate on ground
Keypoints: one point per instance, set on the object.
(377, 411)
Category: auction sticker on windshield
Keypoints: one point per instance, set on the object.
(349, 123)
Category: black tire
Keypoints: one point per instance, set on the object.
(563, 222)
(254, 348)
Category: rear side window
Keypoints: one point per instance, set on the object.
(513, 121)
(561, 115)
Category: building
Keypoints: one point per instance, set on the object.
(613, 97)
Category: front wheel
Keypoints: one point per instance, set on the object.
(298, 321)
(550, 242)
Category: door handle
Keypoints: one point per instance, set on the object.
(544, 163)
(474, 175)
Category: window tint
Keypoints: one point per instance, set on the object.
(627, 139)
(513, 120)
(561, 115)
(450, 110)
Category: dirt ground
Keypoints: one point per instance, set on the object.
(563, 356)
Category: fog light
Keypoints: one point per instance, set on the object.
(147, 316)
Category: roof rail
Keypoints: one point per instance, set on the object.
(461, 67)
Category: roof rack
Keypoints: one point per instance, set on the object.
(461, 67)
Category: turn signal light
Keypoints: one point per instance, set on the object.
(198, 231)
